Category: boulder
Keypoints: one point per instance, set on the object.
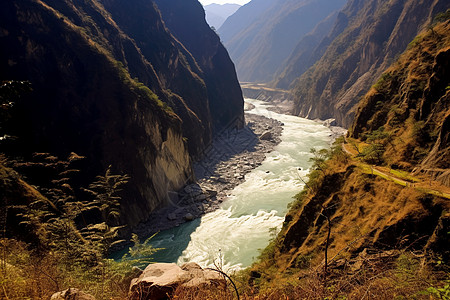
(72, 294)
(160, 280)
(193, 189)
(211, 193)
(266, 136)
(329, 122)
(172, 216)
(200, 197)
(189, 217)
(188, 189)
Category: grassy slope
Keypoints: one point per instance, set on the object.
(375, 221)
(408, 108)
(387, 238)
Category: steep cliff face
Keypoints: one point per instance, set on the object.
(269, 33)
(410, 107)
(374, 33)
(175, 67)
(104, 75)
(224, 93)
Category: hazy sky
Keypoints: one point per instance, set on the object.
(206, 2)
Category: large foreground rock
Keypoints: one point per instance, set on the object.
(72, 294)
(159, 281)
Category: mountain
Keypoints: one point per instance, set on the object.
(261, 35)
(408, 109)
(243, 18)
(366, 38)
(305, 54)
(226, 103)
(216, 14)
(364, 215)
(111, 83)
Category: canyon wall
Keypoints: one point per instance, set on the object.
(111, 83)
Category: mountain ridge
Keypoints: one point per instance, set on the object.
(356, 57)
(216, 14)
(268, 35)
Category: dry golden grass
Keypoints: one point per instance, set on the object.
(398, 275)
(29, 275)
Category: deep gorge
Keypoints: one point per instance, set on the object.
(119, 120)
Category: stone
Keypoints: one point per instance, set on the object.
(266, 136)
(211, 193)
(172, 216)
(189, 217)
(329, 122)
(160, 280)
(200, 197)
(72, 294)
(192, 188)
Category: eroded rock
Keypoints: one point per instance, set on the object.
(159, 281)
(72, 294)
(266, 136)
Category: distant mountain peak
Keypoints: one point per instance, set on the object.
(216, 14)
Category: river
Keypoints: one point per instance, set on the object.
(255, 210)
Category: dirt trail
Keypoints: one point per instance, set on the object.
(424, 186)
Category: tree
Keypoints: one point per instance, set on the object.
(319, 158)
(106, 192)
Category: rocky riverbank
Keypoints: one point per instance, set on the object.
(232, 154)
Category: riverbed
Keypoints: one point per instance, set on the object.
(254, 210)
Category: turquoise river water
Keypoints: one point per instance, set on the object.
(255, 209)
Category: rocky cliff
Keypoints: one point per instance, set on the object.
(110, 82)
(261, 35)
(224, 93)
(367, 37)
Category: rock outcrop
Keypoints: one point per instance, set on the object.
(72, 294)
(160, 280)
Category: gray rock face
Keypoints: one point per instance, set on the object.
(233, 154)
(72, 294)
(126, 127)
(159, 281)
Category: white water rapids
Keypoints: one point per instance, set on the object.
(244, 223)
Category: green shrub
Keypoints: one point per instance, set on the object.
(373, 154)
